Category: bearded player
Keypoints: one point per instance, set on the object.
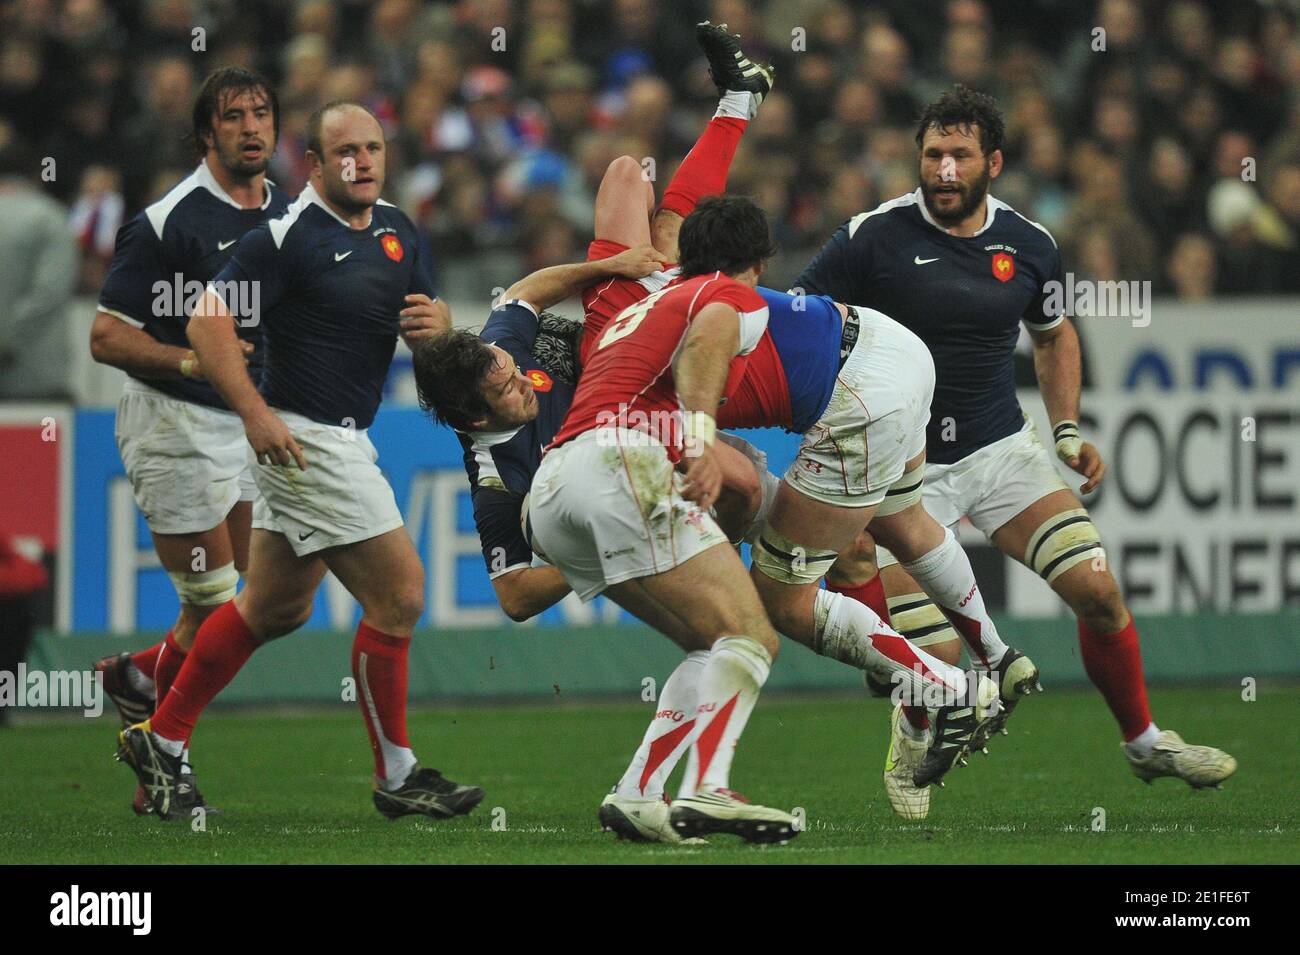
(962, 270)
(181, 445)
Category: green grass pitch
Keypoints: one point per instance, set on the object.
(294, 786)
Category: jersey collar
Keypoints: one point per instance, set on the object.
(209, 182)
(989, 212)
(310, 195)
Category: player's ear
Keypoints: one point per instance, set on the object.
(995, 163)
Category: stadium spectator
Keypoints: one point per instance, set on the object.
(469, 91)
(36, 281)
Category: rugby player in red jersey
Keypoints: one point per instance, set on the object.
(611, 509)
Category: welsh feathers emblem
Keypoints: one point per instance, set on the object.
(392, 247)
(1004, 267)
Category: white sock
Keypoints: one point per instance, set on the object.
(737, 104)
(139, 682)
(946, 575)
(729, 686)
(398, 763)
(669, 732)
(1141, 745)
(172, 747)
(851, 632)
(913, 732)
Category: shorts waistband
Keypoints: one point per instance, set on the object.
(849, 337)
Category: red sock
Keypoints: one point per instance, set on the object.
(704, 170)
(1114, 664)
(169, 664)
(379, 666)
(221, 647)
(872, 593)
(147, 660)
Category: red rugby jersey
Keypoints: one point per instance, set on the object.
(628, 378)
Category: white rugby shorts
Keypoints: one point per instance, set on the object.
(607, 507)
(990, 486)
(186, 461)
(875, 421)
(341, 498)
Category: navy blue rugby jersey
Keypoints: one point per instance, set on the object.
(501, 464)
(166, 255)
(327, 297)
(965, 297)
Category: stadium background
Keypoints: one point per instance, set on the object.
(1170, 156)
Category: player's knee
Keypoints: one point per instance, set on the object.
(402, 605)
(1098, 602)
(855, 566)
(624, 169)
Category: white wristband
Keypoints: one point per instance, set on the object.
(1068, 442)
(699, 429)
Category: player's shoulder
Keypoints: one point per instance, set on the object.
(717, 287)
(296, 218)
(1031, 235)
(389, 216)
(890, 213)
(170, 207)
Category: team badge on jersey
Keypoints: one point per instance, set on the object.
(392, 247)
(1004, 267)
(540, 379)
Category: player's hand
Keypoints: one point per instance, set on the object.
(423, 317)
(1090, 464)
(637, 262)
(191, 367)
(703, 476)
(272, 442)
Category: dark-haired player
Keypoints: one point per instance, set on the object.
(963, 270)
(341, 277)
(612, 512)
(182, 447)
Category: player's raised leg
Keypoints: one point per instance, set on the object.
(384, 573)
(741, 84)
(1057, 540)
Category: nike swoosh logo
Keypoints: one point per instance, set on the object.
(340, 256)
(222, 246)
(920, 261)
(302, 537)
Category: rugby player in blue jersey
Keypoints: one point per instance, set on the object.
(963, 270)
(339, 276)
(182, 446)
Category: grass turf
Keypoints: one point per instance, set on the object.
(295, 788)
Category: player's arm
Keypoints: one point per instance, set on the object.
(549, 286)
(526, 592)
(841, 268)
(425, 315)
(211, 331)
(1058, 363)
(700, 373)
(522, 589)
(115, 342)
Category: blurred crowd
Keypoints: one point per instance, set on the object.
(1157, 140)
